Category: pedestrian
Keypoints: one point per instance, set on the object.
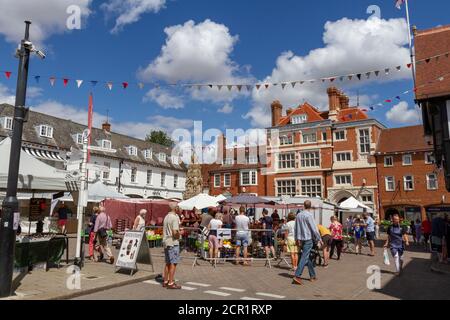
(242, 237)
(171, 243)
(369, 225)
(267, 236)
(275, 217)
(336, 235)
(92, 241)
(63, 212)
(102, 226)
(306, 233)
(438, 230)
(397, 241)
(418, 231)
(349, 225)
(139, 222)
(377, 228)
(426, 231)
(213, 239)
(325, 234)
(291, 244)
(358, 231)
(227, 219)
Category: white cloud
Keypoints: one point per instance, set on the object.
(164, 99)
(402, 114)
(350, 46)
(227, 108)
(135, 129)
(48, 17)
(6, 95)
(198, 53)
(130, 11)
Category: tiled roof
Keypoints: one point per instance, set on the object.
(64, 135)
(405, 139)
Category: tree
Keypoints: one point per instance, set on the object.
(159, 137)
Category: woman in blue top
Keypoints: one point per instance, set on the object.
(396, 241)
(358, 230)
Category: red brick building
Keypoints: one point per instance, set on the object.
(408, 180)
(329, 154)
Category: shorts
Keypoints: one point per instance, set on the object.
(370, 235)
(436, 244)
(394, 251)
(172, 254)
(242, 239)
(267, 241)
(213, 241)
(292, 246)
(326, 239)
(62, 222)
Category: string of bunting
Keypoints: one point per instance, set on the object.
(239, 87)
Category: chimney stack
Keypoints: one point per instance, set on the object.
(333, 98)
(344, 101)
(277, 110)
(106, 126)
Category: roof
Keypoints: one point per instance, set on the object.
(430, 43)
(405, 139)
(64, 136)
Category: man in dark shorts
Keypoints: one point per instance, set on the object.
(63, 213)
(397, 241)
(370, 232)
(267, 236)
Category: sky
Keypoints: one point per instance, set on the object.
(210, 41)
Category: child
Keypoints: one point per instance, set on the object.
(358, 230)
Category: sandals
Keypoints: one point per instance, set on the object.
(173, 286)
(297, 281)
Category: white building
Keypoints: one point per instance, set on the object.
(134, 167)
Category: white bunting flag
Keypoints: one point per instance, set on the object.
(79, 83)
(141, 85)
(52, 81)
(110, 85)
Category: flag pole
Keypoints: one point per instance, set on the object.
(413, 60)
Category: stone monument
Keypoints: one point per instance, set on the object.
(194, 179)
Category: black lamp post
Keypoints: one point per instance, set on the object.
(10, 210)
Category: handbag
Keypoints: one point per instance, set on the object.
(386, 257)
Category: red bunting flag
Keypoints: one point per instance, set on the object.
(8, 74)
(388, 100)
(125, 85)
(409, 65)
(65, 81)
(258, 86)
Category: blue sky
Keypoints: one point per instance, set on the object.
(246, 41)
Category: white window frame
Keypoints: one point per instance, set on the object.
(282, 185)
(149, 177)
(388, 165)
(106, 144)
(162, 157)
(253, 177)
(387, 181)
(284, 163)
(133, 174)
(132, 151)
(225, 177)
(309, 141)
(405, 181)
(300, 118)
(163, 179)
(8, 123)
(435, 179)
(286, 140)
(217, 178)
(46, 131)
(429, 154)
(175, 160)
(365, 143)
(228, 161)
(366, 201)
(175, 181)
(314, 162)
(148, 153)
(107, 174)
(341, 153)
(406, 156)
(336, 138)
(252, 159)
(311, 194)
(339, 182)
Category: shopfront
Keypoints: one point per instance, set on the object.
(435, 210)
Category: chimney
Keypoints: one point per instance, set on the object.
(221, 148)
(344, 101)
(277, 110)
(106, 126)
(289, 111)
(334, 103)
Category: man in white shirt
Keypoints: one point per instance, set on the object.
(171, 236)
(242, 235)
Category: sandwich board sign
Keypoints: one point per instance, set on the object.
(224, 234)
(133, 251)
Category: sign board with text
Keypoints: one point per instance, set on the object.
(224, 234)
(133, 251)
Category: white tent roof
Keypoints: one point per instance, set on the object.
(199, 202)
(352, 204)
(33, 173)
(97, 192)
(220, 198)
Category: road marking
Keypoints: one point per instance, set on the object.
(270, 295)
(250, 298)
(188, 288)
(198, 284)
(232, 289)
(217, 293)
(153, 282)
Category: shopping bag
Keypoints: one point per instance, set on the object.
(386, 257)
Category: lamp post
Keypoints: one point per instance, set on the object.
(10, 210)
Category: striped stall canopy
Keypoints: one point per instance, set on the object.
(43, 154)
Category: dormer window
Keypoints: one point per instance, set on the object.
(106, 144)
(79, 138)
(175, 160)
(46, 131)
(132, 151)
(148, 154)
(301, 118)
(7, 123)
(162, 157)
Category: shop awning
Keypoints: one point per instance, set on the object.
(43, 154)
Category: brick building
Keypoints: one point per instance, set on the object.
(329, 154)
(409, 182)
